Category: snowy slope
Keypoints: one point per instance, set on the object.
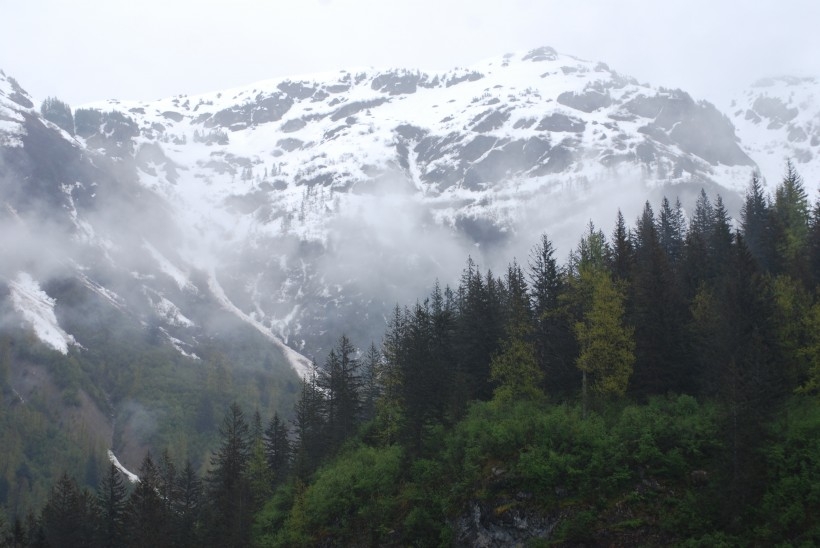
(37, 310)
(286, 187)
(779, 119)
(278, 155)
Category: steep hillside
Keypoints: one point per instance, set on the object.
(106, 343)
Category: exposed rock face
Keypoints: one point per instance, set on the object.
(487, 525)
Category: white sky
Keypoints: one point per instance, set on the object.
(86, 50)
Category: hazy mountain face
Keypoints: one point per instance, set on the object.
(309, 206)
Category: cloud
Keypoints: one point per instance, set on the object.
(154, 49)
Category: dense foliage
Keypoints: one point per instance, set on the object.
(659, 388)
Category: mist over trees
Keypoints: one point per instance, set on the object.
(662, 356)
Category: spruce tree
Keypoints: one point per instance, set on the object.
(341, 382)
(555, 344)
(755, 222)
(68, 516)
(111, 505)
(227, 481)
(790, 225)
(277, 448)
(657, 312)
(148, 521)
(309, 427)
(187, 510)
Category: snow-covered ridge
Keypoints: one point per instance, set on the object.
(278, 156)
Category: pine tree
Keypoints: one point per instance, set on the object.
(671, 230)
(308, 427)
(755, 221)
(658, 312)
(277, 448)
(371, 388)
(68, 516)
(111, 505)
(341, 383)
(148, 522)
(187, 530)
(390, 406)
(555, 345)
(514, 368)
(790, 225)
(622, 250)
(813, 245)
(167, 479)
(228, 483)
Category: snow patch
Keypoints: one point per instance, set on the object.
(169, 268)
(132, 477)
(37, 309)
(300, 364)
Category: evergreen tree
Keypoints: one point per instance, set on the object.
(68, 516)
(514, 368)
(755, 221)
(607, 346)
(555, 344)
(308, 427)
(371, 389)
(622, 250)
(277, 448)
(671, 230)
(148, 522)
(341, 382)
(187, 509)
(790, 225)
(740, 362)
(167, 480)
(720, 242)
(443, 353)
(111, 504)
(390, 406)
(259, 474)
(813, 245)
(227, 481)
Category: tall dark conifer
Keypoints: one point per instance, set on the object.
(341, 382)
(309, 427)
(622, 250)
(755, 221)
(277, 448)
(67, 518)
(658, 313)
(790, 225)
(228, 491)
(111, 504)
(148, 522)
(187, 510)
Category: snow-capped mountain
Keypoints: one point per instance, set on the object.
(308, 206)
(249, 228)
(308, 194)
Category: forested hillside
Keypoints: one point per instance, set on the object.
(659, 387)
